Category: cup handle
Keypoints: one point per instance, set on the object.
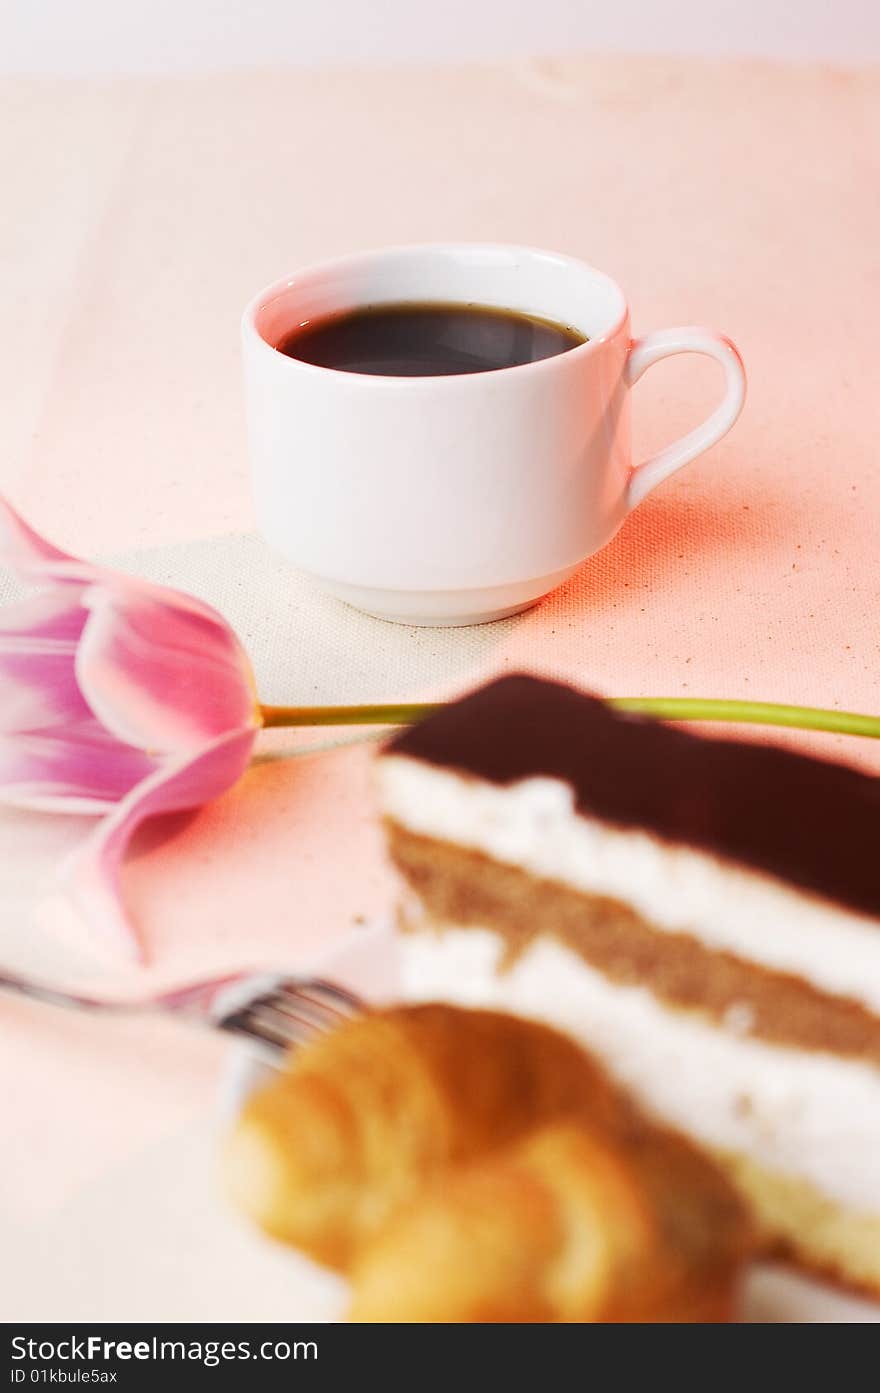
(663, 344)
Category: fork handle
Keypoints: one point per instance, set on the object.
(197, 1000)
(52, 997)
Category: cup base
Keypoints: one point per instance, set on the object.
(447, 609)
(427, 621)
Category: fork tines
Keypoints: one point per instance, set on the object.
(292, 1013)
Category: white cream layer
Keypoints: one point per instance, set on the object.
(534, 825)
(803, 1114)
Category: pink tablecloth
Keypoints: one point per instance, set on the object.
(145, 214)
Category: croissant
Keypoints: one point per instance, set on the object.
(467, 1165)
(564, 1226)
(359, 1121)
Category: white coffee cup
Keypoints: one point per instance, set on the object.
(457, 499)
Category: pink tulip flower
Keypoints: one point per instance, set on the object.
(117, 698)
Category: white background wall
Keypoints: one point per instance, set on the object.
(106, 36)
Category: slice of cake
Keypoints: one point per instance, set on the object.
(703, 914)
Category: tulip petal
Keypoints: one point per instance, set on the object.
(159, 676)
(181, 784)
(38, 686)
(38, 640)
(53, 614)
(20, 546)
(81, 770)
(25, 551)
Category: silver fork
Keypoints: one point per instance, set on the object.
(270, 1010)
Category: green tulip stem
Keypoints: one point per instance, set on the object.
(762, 713)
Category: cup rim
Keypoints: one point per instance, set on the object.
(278, 287)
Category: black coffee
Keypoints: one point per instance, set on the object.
(427, 340)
